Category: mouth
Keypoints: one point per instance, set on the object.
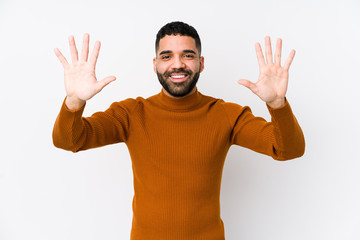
(178, 77)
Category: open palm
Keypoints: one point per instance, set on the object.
(79, 76)
(272, 84)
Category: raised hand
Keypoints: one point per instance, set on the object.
(80, 79)
(272, 84)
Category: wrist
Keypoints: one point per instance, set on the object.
(276, 103)
(74, 103)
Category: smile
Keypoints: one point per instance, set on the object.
(178, 77)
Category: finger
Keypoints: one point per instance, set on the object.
(259, 55)
(101, 84)
(289, 60)
(85, 48)
(73, 50)
(246, 83)
(61, 57)
(95, 53)
(278, 52)
(268, 51)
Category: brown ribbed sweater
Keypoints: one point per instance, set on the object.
(178, 148)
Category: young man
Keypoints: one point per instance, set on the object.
(178, 139)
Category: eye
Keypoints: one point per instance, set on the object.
(190, 56)
(165, 57)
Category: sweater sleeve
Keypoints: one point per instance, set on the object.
(74, 132)
(282, 138)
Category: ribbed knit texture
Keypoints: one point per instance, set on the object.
(178, 148)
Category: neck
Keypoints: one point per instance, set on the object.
(168, 94)
(186, 103)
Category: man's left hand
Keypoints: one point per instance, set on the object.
(272, 84)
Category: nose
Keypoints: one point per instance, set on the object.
(178, 62)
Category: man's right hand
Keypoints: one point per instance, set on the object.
(80, 80)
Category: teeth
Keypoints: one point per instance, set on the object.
(178, 76)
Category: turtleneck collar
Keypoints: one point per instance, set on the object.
(178, 104)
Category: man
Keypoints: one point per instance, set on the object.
(178, 139)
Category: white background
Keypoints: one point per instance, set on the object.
(47, 193)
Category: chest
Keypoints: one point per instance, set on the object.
(189, 139)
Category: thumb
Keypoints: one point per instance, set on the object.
(248, 84)
(101, 84)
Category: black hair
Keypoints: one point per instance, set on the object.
(178, 28)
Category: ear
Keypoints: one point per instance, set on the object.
(201, 64)
(154, 63)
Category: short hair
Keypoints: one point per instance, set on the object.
(178, 28)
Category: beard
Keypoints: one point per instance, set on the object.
(178, 89)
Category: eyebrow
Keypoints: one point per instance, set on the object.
(189, 51)
(169, 51)
(165, 52)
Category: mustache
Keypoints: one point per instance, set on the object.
(179, 70)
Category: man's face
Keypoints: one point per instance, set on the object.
(178, 64)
